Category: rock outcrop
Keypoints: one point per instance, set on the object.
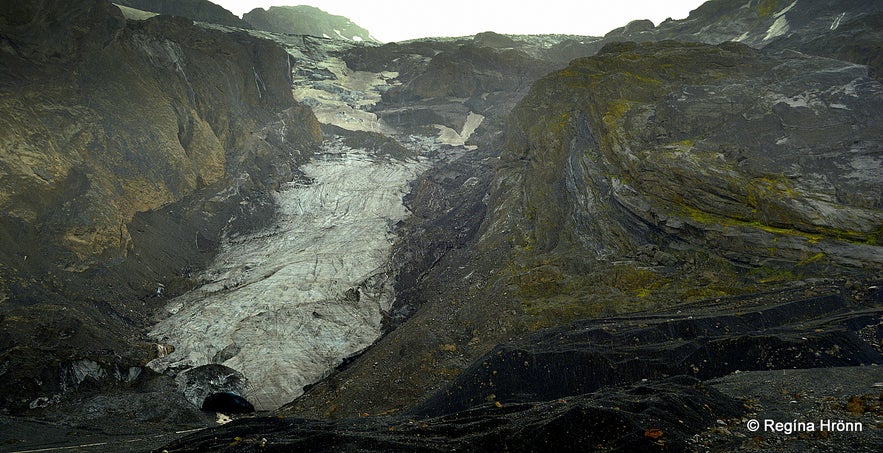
(306, 20)
(129, 147)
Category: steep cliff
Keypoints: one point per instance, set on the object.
(128, 149)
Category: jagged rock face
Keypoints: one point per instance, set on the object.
(112, 160)
(103, 123)
(306, 20)
(43, 31)
(201, 10)
(856, 39)
(760, 23)
(762, 158)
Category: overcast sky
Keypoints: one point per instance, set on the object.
(397, 20)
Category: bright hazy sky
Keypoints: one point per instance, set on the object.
(398, 20)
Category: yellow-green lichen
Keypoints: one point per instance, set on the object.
(768, 275)
(811, 259)
(812, 237)
(616, 110)
(766, 8)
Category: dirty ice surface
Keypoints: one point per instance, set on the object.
(286, 305)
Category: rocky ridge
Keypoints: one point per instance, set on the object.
(845, 30)
(198, 10)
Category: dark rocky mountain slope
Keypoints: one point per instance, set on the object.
(121, 141)
(644, 176)
(846, 30)
(199, 10)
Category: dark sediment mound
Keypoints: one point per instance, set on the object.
(657, 416)
(780, 330)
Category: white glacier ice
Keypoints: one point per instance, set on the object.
(286, 305)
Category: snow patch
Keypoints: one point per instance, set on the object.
(785, 10)
(837, 20)
(779, 28)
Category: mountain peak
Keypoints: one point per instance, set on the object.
(306, 20)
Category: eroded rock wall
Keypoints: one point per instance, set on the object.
(128, 148)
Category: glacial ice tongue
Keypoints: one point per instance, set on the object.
(286, 305)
